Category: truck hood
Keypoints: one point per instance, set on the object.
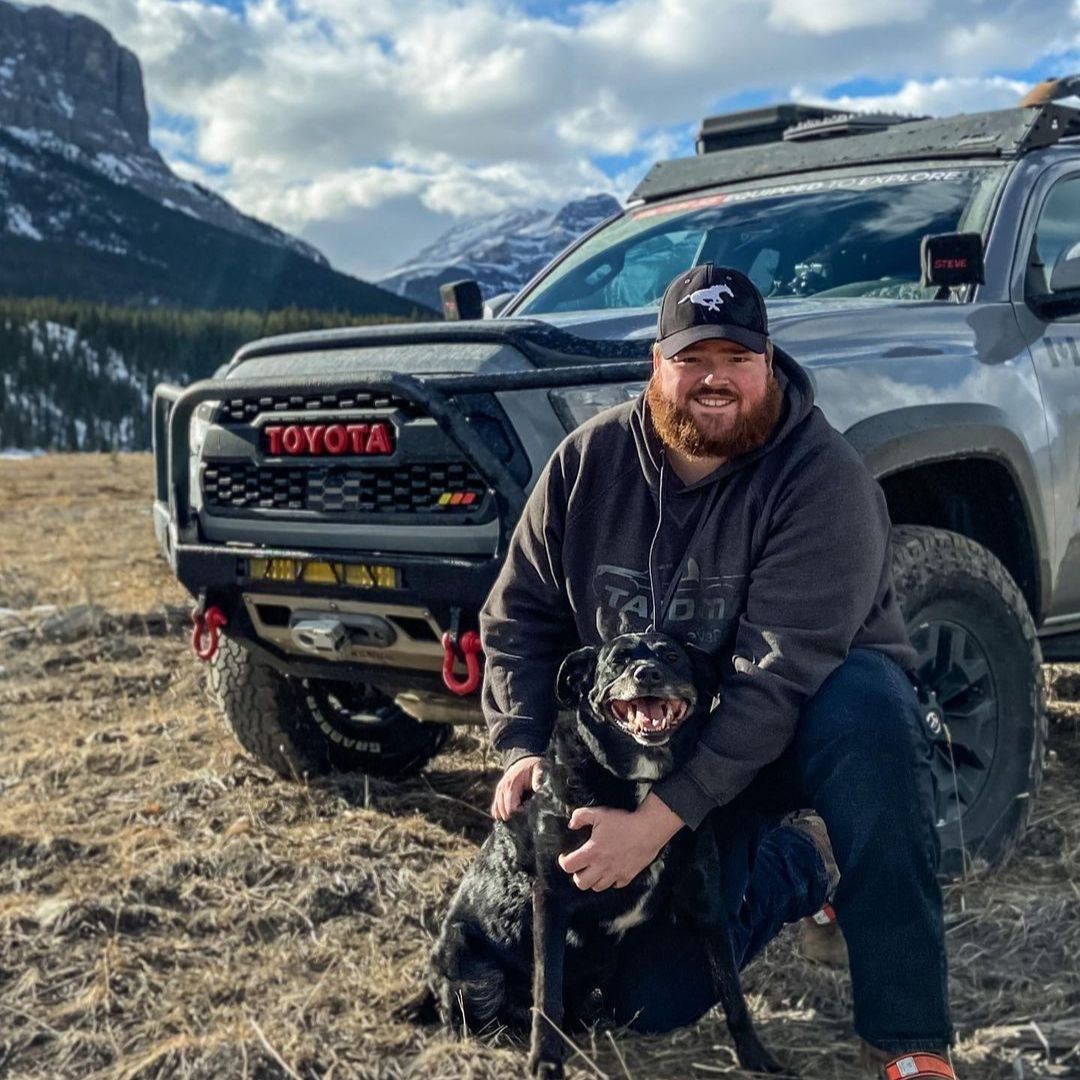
(818, 333)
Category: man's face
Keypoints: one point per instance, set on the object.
(715, 398)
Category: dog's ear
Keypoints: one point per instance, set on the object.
(575, 675)
(706, 670)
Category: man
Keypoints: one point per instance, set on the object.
(722, 508)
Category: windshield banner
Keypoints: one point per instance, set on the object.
(842, 183)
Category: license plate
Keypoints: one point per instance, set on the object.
(318, 572)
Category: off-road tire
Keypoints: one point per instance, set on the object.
(277, 719)
(952, 587)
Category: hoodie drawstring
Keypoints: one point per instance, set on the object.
(652, 546)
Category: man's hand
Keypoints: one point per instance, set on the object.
(622, 844)
(519, 779)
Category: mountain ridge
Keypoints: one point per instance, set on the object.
(501, 253)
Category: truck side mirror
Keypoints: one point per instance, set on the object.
(461, 300)
(952, 259)
(497, 304)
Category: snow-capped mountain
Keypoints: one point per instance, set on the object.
(89, 210)
(501, 252)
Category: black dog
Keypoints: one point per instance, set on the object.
(517, 915)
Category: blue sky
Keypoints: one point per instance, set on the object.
(368, 127)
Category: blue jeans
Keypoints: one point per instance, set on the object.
(860, 758)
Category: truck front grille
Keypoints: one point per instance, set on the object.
(416, 489)
(243, 410)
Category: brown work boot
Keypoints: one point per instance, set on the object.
(820, 938)
(912, 1065)
(821, 941)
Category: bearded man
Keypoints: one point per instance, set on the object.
(722, 508)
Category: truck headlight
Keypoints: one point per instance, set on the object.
(574, 406)
(200, 424)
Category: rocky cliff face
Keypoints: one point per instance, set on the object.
(66, 74)
(68, 88)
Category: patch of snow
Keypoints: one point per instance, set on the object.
(45, 140)
(20, 223)
(112, 166)
(14, 454)
(11, 160)
(182, 209)
(67, 106)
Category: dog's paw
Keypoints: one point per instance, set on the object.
(546, 1070)
(757, 1059)
(544, 1066)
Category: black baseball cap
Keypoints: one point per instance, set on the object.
(709, 301)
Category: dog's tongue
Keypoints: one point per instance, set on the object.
(653, 714)
(649, 712)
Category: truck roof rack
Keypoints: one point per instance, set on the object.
(844, 124)
(1005, 133)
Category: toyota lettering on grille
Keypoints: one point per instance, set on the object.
(372, 439)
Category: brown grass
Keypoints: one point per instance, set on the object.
(169, 909)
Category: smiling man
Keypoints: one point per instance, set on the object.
(722, 508)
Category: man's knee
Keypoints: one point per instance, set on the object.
(865, 710)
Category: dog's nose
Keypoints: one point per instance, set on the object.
(648, 676)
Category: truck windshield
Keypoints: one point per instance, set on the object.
(854, 235)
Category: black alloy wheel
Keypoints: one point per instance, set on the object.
(981, 691)
(960, 710)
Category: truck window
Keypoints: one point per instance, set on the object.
(1057, 234)
(854, 235)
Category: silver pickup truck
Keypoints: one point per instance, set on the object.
(339, 502)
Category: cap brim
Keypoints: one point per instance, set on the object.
(673, 343)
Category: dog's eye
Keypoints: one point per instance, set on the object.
(619, 656)
(670, 658)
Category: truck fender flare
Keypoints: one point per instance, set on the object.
(906, 438)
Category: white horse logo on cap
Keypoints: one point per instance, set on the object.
(710, 298)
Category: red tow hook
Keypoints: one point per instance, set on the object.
(206, 631)
(470, 650)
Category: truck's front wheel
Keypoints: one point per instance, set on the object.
(314, 725)
(980, 669)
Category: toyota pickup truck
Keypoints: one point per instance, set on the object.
(338, 503)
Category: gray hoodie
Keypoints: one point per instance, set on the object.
(776, 564)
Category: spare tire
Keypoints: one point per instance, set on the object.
(315, 726)
(981, 688)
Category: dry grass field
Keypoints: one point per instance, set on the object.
(169, 909)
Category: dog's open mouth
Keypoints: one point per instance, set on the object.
(649, 718)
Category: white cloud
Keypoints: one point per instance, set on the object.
(938, 97)
(330, 113)
(839, 15)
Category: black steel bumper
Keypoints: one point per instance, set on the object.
(219, 571)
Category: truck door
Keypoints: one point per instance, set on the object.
(1052, 231)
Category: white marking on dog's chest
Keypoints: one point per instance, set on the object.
(646, 768)
(640, 911)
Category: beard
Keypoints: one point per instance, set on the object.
(679, 430)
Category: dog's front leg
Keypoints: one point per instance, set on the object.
(548, 1049)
